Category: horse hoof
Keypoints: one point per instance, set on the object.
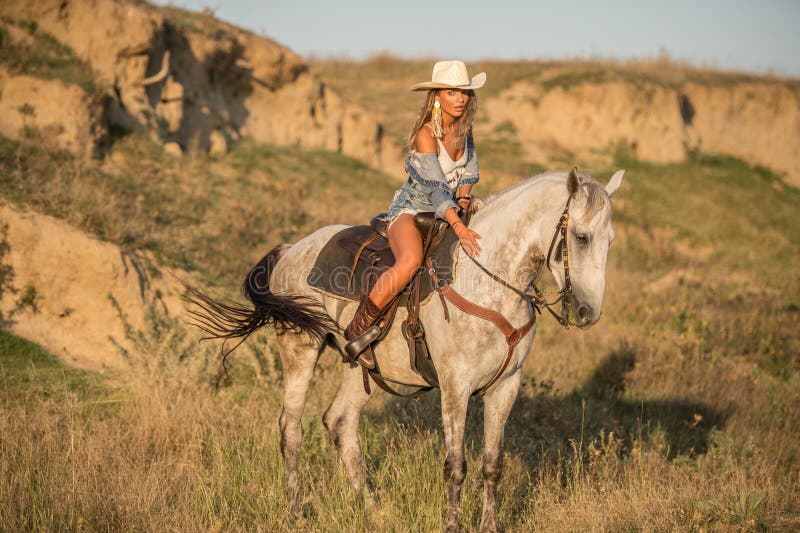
(488, 526)
(452, 527)
(371, 503)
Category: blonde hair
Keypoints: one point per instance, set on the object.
(461, 126)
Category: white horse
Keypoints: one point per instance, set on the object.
(517, 227)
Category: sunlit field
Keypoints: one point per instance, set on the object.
(677, 411)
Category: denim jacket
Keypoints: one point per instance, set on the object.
(426, 188)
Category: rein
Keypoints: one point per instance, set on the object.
(513, 335)
(537, 299)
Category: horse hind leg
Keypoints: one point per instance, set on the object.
(299, 356)
(341, 420)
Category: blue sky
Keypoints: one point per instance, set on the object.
(732, 35)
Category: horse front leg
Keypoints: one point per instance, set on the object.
(497, 406)
(454, 414)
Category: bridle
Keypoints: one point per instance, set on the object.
(538, 299)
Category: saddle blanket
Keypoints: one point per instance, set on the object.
(333, 273)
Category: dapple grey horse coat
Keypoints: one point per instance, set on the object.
(516, 227)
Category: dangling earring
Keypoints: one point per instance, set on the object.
(436, 119)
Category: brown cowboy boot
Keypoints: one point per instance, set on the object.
(361, 332)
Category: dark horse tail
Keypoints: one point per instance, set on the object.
(286, 312)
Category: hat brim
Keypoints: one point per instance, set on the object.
(476, 82)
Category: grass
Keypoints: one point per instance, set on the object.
(45, 58)
(185, 19)
(200, 214)
(158, 455)
(30, 374)
(570, 79)
(716, 219)
(502, 164)
(679, 411)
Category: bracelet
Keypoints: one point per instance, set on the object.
(456, 222)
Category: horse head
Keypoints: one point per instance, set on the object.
(588, 236)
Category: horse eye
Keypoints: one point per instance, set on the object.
(583, 239)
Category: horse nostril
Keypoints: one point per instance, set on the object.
(583, 313)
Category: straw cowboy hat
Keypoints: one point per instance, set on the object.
(451, 75)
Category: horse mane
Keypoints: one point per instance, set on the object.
(597, 199)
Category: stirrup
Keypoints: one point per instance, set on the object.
(354, 347)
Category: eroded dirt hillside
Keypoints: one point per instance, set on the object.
(552, 114)
(187, 79)
(85, 72)
(756, 121)
(572, 116)
(78, 297)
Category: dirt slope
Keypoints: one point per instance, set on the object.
(68, 280)
(758, 121)
(63, 112)
(189, 79)
(755, 121)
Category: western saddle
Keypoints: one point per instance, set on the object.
(372, 249)
(365, 249)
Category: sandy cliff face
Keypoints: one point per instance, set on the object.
(65, 114)
(757, 122)
(583, 122)
(196, 83)
(590, 118)
(73, 278)
(192, 80)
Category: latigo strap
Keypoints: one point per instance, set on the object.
(513, 335)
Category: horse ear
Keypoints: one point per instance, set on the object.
(614, 182)
(573, 181)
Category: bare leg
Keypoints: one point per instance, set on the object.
(497, 406)
(341, 420)
(299, 358)
(454, 414)
(406, 244)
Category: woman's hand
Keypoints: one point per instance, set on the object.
(468, 239)
(463, 201)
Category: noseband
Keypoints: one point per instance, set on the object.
(537, 299)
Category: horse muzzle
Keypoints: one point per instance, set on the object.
(579, 314)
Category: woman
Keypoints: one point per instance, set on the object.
(442, 167)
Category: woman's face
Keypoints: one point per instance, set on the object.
(453, 101)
